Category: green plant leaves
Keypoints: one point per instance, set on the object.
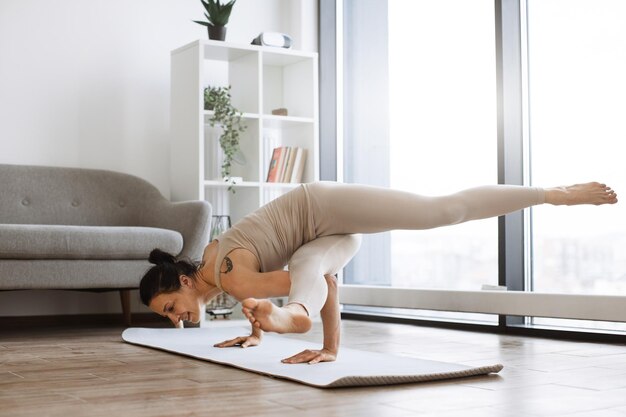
(217, 13)
(229, 118)
(203, 23)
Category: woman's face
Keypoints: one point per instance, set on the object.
(183, 304)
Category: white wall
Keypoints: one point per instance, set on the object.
(86, 84)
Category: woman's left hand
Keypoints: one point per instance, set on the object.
(312, 357)
(243, 341)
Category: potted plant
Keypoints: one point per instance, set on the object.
(217, 15)
(225, 115)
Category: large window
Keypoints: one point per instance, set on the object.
(442, 134)
(420, 111)
(577, 90)
(420, 115)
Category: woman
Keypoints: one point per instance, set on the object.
(314, 230)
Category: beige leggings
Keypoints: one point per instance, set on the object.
(342, 211)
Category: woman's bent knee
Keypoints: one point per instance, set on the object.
(351, 244)
(331, 281)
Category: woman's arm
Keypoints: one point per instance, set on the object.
(331, 322)
(244, 341)
(331, 317)
(247, 283)
(244, 284)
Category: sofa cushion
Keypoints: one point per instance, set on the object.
(26, 241)
(76, 274)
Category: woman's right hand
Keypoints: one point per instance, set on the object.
(243, 341)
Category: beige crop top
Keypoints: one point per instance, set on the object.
(272, 233)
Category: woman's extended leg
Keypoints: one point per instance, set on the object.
(351, 208)
(309, 289)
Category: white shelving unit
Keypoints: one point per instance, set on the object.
(261, 79)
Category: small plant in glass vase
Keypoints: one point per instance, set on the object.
(218, 100)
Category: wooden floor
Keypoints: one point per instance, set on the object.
(91, 372)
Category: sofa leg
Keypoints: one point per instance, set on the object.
(125, 298)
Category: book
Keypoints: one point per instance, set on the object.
(286, 165)
(289, 165)
(298, 166)
(272, 171)
(282, 162)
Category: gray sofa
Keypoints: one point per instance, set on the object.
(85, 229)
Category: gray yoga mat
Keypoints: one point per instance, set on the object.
(352, 367)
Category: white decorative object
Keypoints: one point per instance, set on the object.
(276, 39)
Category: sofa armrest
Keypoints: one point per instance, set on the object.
(192, 219)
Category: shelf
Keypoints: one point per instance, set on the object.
(245, 115)
(272, 121)
(281, 184)
(262, 79)
(219, 50)
(216, 183)
(227, 51)
(250, 116)
(280, 122)
(281, 57)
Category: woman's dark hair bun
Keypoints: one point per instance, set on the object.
(158, 257)
(164, 277)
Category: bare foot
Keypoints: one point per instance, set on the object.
(589, 193)
(267, 316)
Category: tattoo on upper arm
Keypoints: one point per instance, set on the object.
(229, 265)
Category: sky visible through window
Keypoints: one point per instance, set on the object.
(577, 90)
(442, 97)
